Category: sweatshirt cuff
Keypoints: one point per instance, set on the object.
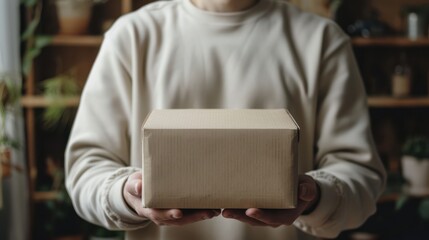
(116, 206)
(330, 198)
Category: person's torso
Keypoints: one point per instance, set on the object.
(182, 57)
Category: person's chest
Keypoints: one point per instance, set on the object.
(256, 66)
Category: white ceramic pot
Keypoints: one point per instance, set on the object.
(74, 16)
(416, 172)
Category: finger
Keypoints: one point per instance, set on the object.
(276, 216)
(161, 215)
(191, 216)
(240, 215)
(134, 187)
(136, 175)
(307, 188)
(217, 212)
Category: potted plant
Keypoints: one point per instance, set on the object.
(9, 95)
(415, 165)
(415, 172)
(34, 42)
(60, 221)
(58, 90)
(74, 15)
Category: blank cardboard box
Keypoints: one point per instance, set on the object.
(218, 158)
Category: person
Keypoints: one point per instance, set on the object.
(225, 54)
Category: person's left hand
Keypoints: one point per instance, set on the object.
(308, 193)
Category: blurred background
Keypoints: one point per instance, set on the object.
(47, 48)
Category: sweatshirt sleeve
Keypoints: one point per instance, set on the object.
(97, 156)
(348, 170)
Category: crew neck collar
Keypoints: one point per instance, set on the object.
(251, 14)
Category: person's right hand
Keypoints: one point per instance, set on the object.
(174, 217)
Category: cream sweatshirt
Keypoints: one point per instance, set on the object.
(170, 54)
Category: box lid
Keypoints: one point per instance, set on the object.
(221, 119)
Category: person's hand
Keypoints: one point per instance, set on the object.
(308, 193)
(175, 217)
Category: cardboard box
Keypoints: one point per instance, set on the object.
(220, 159)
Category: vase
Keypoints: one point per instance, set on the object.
(74, 16)
(416, 173)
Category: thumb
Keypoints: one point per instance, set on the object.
(307, 189)
(134, 187)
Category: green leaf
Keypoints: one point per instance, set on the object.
(424, 209)
(42, 41)
(57, 90)
(29, 3)
(400, 202)
(417, 147)
(50, 205)
(53, 115)
(7, 141)
(31, 29)
(28, 60)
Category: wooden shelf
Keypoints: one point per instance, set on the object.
(40, 102)
(390, 42)
(391, 197)
(45, 196)
(392, 102)
(64, 40)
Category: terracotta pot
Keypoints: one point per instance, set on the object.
(74, 16)
(5, 158)
(416, 172)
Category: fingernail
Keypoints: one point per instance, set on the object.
(177, 216)
(136, 188)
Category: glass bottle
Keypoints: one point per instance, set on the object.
(401, 78)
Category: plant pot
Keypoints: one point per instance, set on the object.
(74, 16)
(5, 158)
(416, 173)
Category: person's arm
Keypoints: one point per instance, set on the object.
(348, 170)
(104, 189)
(349, 177)
(97, 155)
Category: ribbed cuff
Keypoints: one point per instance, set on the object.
(116, 206)
(330, 198)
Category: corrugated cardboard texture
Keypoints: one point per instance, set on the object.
(220, 159)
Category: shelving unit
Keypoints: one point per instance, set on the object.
(64, 52)
(388, 113)
(394, 119)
